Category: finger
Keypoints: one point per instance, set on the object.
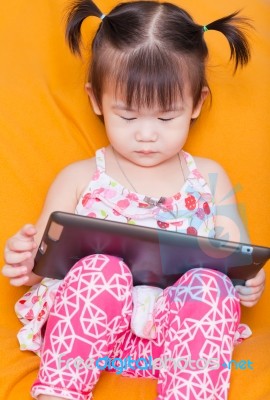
(15, 244)
(28, 230)
(248, 303)
(247, 291)
(251, 298)
(25, 233)
(14, 272)
(19, 281)
(257, 280)
(17, 258)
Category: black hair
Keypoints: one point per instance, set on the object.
(152, 49)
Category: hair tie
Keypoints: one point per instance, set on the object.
(102, 16)
(205, 28)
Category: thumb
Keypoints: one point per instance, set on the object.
(27, 231)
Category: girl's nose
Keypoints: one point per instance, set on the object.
(146, 133)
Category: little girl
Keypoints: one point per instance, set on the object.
(147, 82)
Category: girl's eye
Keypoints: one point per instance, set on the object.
(128, 119)
(165, 119)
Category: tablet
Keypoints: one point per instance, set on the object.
(155, 257)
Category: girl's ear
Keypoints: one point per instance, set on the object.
(197, 110)
(93, 101)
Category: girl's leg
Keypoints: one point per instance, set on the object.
(92, 306)
(202, 314)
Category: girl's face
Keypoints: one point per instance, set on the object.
(146, 136)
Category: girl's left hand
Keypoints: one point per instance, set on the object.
(250, 294)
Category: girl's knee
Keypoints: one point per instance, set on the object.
(101, 280)
(100, 265)
(203, 283)
(205, 276)
(98, 270)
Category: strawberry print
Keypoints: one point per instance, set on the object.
(88, 201)
(123, 203)
(177, 196)
(35, 337)
(178, 223)
(206, 208)
(132, 196)
(35, 299)
(192, 231)
(86, 198)
(190, 202)
(143, 205)
(92, 215)
(40, 315)
(168, 203)
(30, 315)
(163, 225)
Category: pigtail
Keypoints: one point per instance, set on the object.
(232, 27)
(76, 15)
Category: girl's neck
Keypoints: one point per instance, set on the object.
(165, 179)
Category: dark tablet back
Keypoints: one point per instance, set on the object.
(155, 256)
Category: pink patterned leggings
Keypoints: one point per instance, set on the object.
(196, 320)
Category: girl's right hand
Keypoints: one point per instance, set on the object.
(21, 248)
(19, 256)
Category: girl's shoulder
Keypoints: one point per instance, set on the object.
(77, 175)
(207, 166)
(216, 178)
(80, 167)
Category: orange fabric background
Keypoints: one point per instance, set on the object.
(46, 123)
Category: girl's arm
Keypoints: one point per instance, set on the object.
(63, 195)
(229, 226)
